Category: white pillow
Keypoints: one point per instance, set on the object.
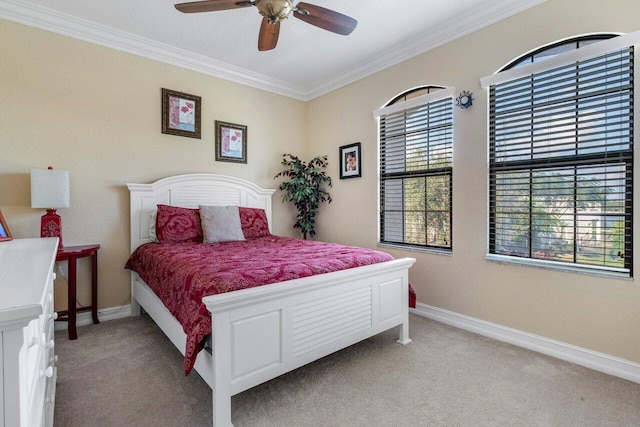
(220, 223)
(152, 225)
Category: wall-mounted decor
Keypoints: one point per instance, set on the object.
(350, 166)
(464, 100)
(180, 113)
(5, 234)
(231, 142)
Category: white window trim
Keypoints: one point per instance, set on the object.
(448, 92)
(428, 250)
(595, 49)
(620, 42)
(415, 102)
(610, 272)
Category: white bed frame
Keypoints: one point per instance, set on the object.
(264, 332)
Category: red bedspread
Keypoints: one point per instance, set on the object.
(182, 273)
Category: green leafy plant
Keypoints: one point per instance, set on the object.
(305, 189)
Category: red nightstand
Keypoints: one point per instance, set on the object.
(71, 254)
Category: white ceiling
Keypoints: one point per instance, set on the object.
(307, 62)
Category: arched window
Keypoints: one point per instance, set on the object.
(557, 48)
(416, 165)
(560, 157)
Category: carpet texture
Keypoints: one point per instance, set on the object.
(127, 373)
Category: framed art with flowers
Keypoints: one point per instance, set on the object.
(180, 113)
(231, 142)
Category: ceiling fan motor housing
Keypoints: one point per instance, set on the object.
(274, 10)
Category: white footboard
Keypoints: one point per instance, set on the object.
(264, 332)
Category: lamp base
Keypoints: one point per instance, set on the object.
(51, 225)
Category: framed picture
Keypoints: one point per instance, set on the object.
(180, 114)
(5, 234)
(350, 161)
(231, 142)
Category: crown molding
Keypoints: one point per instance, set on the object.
(81, 29)
(85, 30)
(473, 20)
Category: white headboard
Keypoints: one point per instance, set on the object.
(189, 191)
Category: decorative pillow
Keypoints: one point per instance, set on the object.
(152, 226)
(254, 223)
(175, 225)
(220, 224)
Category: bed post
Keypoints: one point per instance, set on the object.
(221, 391)
(404, 326)
(404, 332)
(136, 309)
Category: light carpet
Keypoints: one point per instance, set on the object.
(127, 373)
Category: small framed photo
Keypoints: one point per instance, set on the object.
(231, 142)
(180, 114)
(5, 234)
(350, 161)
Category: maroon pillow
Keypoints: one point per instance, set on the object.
(254, 222)
(175, 225)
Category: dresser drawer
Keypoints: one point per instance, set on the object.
(40, 369)
(27, 352)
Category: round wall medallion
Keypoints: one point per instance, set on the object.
(465, 99)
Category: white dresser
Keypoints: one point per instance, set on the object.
(27, 361)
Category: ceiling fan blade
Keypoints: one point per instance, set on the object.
(325, 18)
(268, 38)
(211, 5)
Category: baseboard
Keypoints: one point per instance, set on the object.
(104, 314)
(581, 356)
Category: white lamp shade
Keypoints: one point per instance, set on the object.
(49, 188)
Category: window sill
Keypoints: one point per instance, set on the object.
(435, 251)
(611, 273)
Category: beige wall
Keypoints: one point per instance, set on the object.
(96, 112)
(593, 312)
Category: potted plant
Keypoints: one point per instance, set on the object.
(305, 189)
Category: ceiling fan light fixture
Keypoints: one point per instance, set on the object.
(274, 10)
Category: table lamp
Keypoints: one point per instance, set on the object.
(50, 190)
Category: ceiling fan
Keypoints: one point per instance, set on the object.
(274, 11)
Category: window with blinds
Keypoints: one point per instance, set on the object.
(416, 153)
(561, 172)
